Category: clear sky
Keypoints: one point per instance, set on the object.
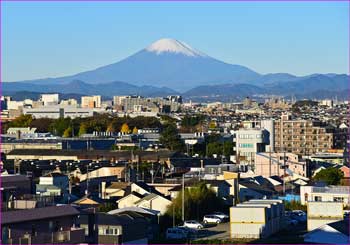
(50, 39)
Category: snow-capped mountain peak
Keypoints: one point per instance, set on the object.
(168, 45)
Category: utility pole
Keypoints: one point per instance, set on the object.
(87, 180)
(284, 172)
(270, 163)
(183, 197)
(152, 173)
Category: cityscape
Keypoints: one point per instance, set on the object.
(166, 144)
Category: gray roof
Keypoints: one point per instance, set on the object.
(341, 226)
(26, 215)
(13, 178)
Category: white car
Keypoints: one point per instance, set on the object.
(212, 219)
(176, 233)
(193, 224)
(221, 215)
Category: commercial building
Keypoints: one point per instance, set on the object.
(301, 136)
(325, 194)
(56, 112)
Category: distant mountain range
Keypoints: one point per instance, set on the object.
(169, 66)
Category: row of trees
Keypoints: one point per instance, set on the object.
(68, 127)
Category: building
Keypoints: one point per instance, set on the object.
(56, 112)
(279, 164)
(157, 104)
(53, 184)
(69, 102)
(247, 142)
(321, 213)
(256, 219)
(47, 225)
(101, 228)
(49, 99)
(301, 136)
(91, 101)
(22, 131)
(325, 194)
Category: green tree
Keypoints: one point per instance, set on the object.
(21, 121)
(68, 132)
(199, 201)
(332, 176)
(110, 128)
(60, 125)
(171, 139)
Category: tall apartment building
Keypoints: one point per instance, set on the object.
(93, 101)
(301, 136)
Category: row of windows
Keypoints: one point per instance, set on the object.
(246, 145)
(249, 136)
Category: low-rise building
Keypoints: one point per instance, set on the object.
(321, 213)
(325, 194)
(256, 219)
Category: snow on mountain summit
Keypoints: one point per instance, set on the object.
(168, 45)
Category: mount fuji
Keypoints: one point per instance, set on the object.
(165, 63)
(169, 66)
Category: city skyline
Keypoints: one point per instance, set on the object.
(296, 38)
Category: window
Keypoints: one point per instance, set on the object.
(318, 199)
(338, 199)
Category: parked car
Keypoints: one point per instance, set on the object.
(193, 224)
(221, 215)
(176, 233)
(212, 219)
(299, 217)
(290, 221)
(299, 212)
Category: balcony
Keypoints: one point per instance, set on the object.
(72, 236)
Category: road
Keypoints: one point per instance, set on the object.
(220, 231)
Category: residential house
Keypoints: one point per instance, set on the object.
(129, 200)
(153, 202)
(47, 225)
(101, 228)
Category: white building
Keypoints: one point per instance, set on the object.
(247, 143)
(256, 218)
(325, 194)
(56, 112)
(49, 99)
(321, 213)
(69, 102)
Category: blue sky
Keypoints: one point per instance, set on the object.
(60, 38)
